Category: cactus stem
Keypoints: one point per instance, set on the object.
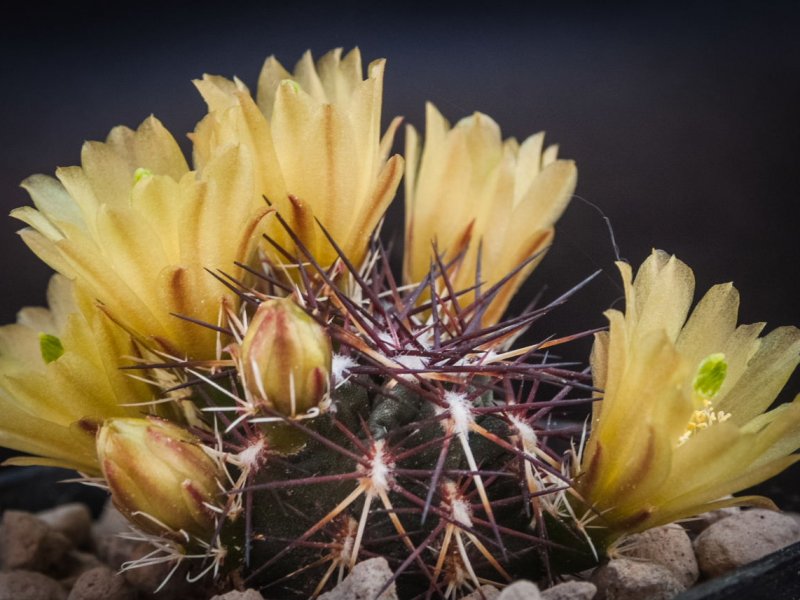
(337, 510)
(415, 557)
(340, 550)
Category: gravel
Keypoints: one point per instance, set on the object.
(60, 554)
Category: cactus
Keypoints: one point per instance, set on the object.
(427, 448)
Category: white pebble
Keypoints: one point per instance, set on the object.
(627, 579)
(670, 547)
(742, 538)
(520, 590)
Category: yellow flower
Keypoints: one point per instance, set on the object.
(468, 189)
(60, 378)
(314, 137)
(137, 228)
(682, 421)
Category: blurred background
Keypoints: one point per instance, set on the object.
(683, 118)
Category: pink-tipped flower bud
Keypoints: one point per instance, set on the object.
(286, 357)
(159, 476)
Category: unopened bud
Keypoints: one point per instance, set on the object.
(286, 357)
(159, 476)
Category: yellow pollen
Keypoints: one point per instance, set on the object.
(703, 419)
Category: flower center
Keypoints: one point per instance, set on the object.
(706, 385)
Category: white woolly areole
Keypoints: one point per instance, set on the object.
(380, 469)
(460, 510)
(409, 361)
(387, 337)
(530, 440)
(347, 546)
(460, 411)
(251, 456)
(340, 368)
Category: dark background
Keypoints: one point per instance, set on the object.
(683, 118)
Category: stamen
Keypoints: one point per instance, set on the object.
(703, 419)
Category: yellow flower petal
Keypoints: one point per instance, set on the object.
(663, 291)
(133, 212)
(712, 322)
(767, 372)
(314, 139)
(43, 404)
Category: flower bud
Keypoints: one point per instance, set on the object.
(159, 476)
(286, 357)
